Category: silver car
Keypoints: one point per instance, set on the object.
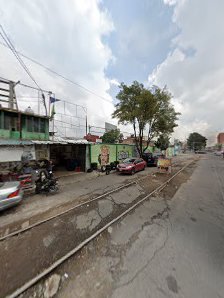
(10, 194)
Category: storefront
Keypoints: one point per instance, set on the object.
(70, 157)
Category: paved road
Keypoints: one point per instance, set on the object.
(166, 248)
(72, 191)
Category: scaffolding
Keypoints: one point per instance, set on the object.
(7, 94)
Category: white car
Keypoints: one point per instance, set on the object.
(10, 194)
(218, 153)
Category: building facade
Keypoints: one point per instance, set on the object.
(220, 138)
(19, 125)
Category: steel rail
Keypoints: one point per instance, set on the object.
(48, 270)
(20, 231)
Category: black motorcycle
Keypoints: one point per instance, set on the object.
(46, 182)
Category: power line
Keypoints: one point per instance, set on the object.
(60, 75)
(21, 62)
(44, 91)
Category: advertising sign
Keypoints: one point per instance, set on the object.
(164, 165)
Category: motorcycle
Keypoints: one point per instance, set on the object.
(46, 182)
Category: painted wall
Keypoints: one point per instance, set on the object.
(4, 133)
(12, 132)
(170, 152)
(103, 153)
(17, 153)
(107, 153)
(34, 136)
(149, 149)
(124, 151)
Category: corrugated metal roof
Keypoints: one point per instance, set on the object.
(12, 142)
(37, 142)
(56, 140)
(62, 141)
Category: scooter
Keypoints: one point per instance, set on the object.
(106, 169)
(46, 183)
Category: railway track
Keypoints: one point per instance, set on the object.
(69, 254)
(37, 223)
(22, 230)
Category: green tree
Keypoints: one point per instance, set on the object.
(163, 142)
(111, 136)
(150, 112)
(196, 141)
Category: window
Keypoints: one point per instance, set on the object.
(42, 125)
(1, 119)
(14, 123)
(6, 121)
(35, 124)
(29, 124)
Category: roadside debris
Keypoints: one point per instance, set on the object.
(52, 285)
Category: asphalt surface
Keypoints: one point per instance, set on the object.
(26, 255)
(74, 189)
(171, 246)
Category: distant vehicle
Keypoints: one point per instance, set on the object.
(10, 194)
(218, 153)
(131, 165)
(200, 152)
(151, 159)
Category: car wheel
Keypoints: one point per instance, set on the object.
(133, 171)
(143, 168)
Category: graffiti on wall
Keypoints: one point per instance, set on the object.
(103, 154)
(124, 151)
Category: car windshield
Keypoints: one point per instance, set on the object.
(129, 160)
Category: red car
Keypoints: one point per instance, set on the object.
(131, 165)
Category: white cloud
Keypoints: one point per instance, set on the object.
(170, 2)
(67, 36)
(114, 82)
(194, 68)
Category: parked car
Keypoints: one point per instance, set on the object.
(152, 158)
(131, 165)
(218, 153)
(10, 194)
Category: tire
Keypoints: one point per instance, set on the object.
(38, 188)
(143, 168)
(133, 171)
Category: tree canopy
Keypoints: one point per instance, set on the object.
(112, 136)
(196, 141)
(150, 112)
(163, 142)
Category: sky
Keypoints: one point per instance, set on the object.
(100, 43)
